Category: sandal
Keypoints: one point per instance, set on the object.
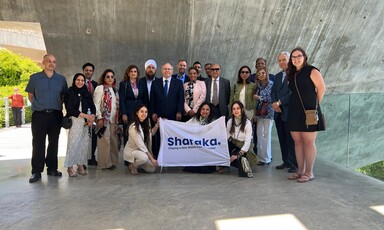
(71, 172)
(132, 170)
(305, 178)
(294, 176)
(81, 170)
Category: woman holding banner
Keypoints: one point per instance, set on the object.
(203, 116)
(138, 149)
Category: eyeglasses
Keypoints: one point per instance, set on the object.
(297, 57)
(110, 76)
(217, 69)
(244, 72)
(166, 69)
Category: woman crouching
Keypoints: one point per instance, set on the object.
(137, 151)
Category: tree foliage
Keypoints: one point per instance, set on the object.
(15, 69)
(375, 170)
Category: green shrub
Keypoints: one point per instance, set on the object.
(15, 69)
(14, 72)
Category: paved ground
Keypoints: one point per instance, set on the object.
(338, 198)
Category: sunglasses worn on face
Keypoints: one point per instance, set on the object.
(244, 72)
(109, 76)
(215, 69)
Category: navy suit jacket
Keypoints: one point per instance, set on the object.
(280, 91)
(187, 79)
(252, 78)
(128, 101)
(143, 86)
(94, 85)
(224, 94)
(166, 106)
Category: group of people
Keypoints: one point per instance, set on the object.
(99, 110)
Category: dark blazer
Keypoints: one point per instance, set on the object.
(224, 94)
(166, 106)
(94, 85)
(128, 101)
(72, 99)
(187, 79)
(281, 92)
(143, 86)
(252, 78)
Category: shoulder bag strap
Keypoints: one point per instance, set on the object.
(298, 92)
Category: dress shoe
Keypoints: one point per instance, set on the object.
(293, 169)
(262, 163)
(282, 166)
(54, 173)
(92, 162)
(35, 177)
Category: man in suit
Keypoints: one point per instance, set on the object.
(218, 92)
(260, 62)
(207, 68)
(280, 95)
(197, 65)
(88, 71)
(146, 81)
(181, 75)
(167, 99)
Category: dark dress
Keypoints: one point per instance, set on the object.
(296, 114)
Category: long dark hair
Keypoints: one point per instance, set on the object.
(243, 118)
(145, 125)
(239, 79)
(210, 116)
(291, 70)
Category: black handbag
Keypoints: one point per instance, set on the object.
(66, 122)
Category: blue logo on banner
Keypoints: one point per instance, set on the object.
(175, 141)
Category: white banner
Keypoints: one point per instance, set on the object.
(184, 144)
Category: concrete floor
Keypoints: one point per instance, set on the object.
(339, 198)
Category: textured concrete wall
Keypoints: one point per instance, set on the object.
(354, 137)
(343, 38)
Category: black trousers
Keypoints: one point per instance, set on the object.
(16, 112)
(45, 124)
(94, 144)
(287, 146)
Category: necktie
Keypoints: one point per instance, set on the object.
(215, 100)
(166, 87)
(283, 78)
(90, 87)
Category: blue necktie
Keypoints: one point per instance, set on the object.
(166, 87)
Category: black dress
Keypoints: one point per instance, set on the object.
(296, 114)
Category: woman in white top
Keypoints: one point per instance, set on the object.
(203, 116)
(137, 151)
(239, 132)
(106, 99)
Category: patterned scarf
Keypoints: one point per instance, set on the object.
(189, 94)
(107, 105)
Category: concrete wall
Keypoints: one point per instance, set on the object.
(343, 38)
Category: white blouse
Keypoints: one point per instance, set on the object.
(245, 136)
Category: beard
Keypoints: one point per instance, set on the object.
(150, 76)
